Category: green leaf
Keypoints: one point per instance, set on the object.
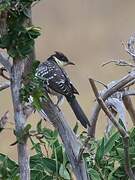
(50, 165)
(94, 174)
(111, 142)
(39, 126)
(64, 173)
(75, 129)
(100, 151)
(36, 146)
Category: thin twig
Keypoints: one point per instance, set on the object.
(129, 84)
(4, 120)
(83, 147)
(2, 69)
(4, 60)
(128, 93)
(4, 85)
(121, 130)
(119, 63)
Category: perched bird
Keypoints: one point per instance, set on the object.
(57, 82)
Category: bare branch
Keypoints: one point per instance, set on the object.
(4, 60)
(111, 90)
(4, 85)
(119, 63)
(71, 143)
(4, 120)
(19, 117)
(130, 46)
(121, 130)
(2, 69)
(130, 108)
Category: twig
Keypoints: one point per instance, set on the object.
(128, 93)
(111, 90)
(4, 60)
(4, 120)
(121, 130)
(83, 147)
(129, 84)
(4, 85)
(2, 69)
(130, 108)
(119, 63)
(130, 46)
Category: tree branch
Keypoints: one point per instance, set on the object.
(121, 130)
(119, 85)
(19, 117)
(130, 108)
(3, 120)
(4, 85)
(4, 60)
(70, 141)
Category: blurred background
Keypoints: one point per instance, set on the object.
(88, 32)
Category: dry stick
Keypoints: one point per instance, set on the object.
(71, 143)
(121, 130)
(4, 85)
(130, 108)
(4, 60)
(3, 120)
(120, 84)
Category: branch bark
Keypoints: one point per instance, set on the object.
(19, 117)
(70, 141)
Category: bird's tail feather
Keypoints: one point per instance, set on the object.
(78, 112)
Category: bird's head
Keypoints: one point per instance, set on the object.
(61, 59)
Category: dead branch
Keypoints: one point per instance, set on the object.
(4, 120)
(111, 90)
(121, 130)
(119, 63)
(130, 108)
(4, 85)
(4, 60)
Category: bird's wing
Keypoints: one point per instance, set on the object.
(56, 78)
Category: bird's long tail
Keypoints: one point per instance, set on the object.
(78, 111)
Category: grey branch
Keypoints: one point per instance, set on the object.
(119, 63)
(4, 60)
(118, 85)
(4, 85)
(4, 120)
(69, 139)
(130, 108)
(19, 117)
(121, 130)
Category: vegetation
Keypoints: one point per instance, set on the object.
(109, 158)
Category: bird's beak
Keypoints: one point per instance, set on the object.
(71, 63)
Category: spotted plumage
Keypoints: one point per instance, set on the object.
(55, 78)
(57, 82)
